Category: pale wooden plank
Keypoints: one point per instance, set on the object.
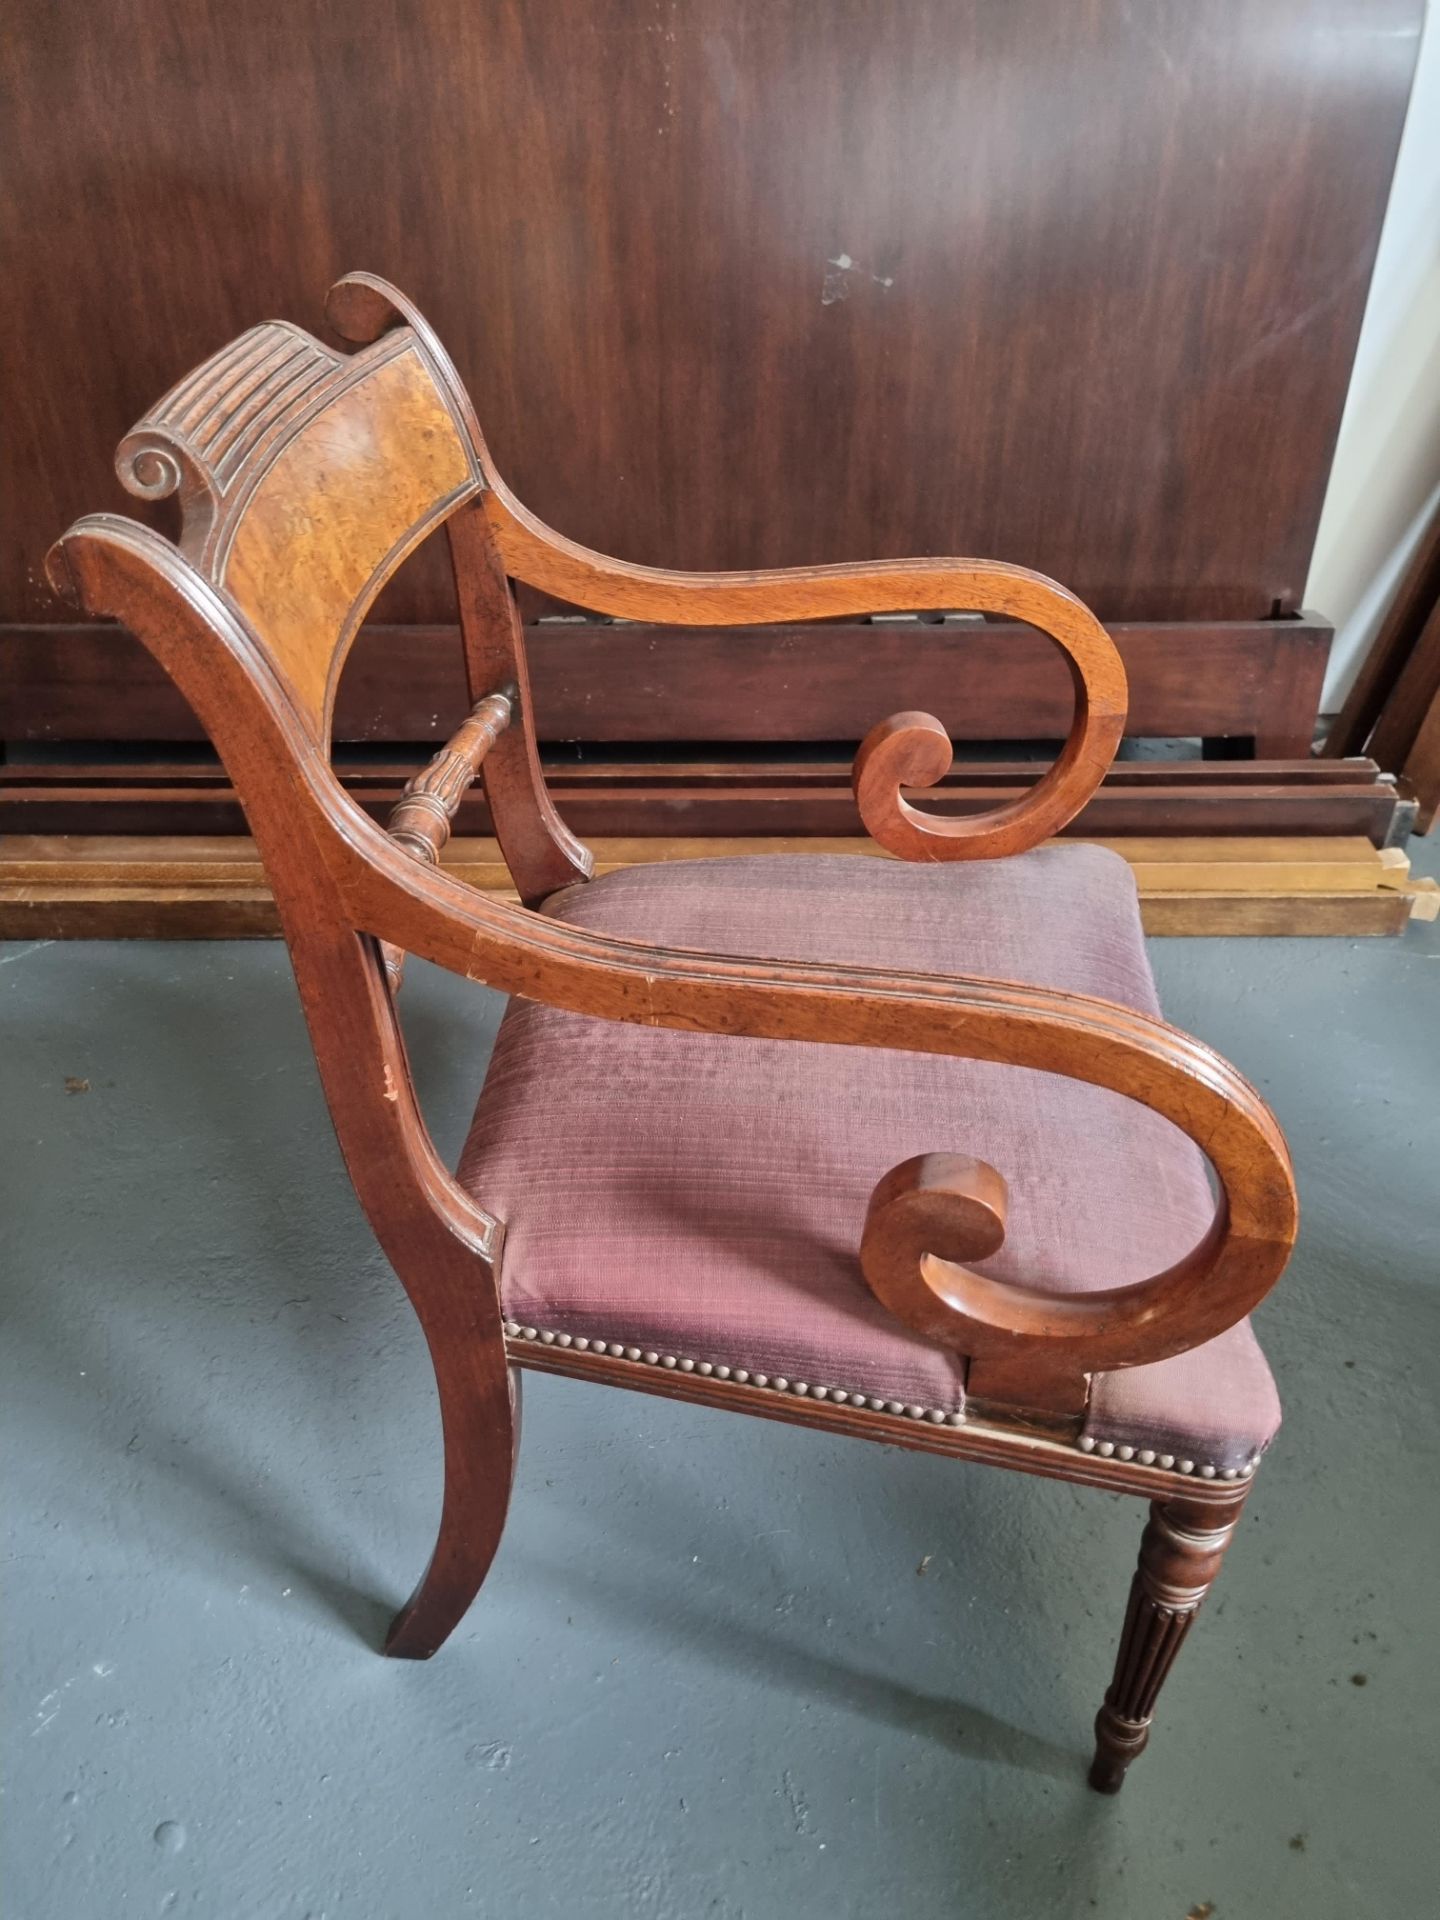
(1424, 898)
(136, 886)
(1311, 914)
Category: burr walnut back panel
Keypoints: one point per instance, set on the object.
(304, 479)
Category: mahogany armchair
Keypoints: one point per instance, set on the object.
(969, 1214)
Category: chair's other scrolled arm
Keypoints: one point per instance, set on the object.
(913, 750)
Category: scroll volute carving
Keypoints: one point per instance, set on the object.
(927, 1220)
(913, 750)
(1035, 1348)
(207, 433)
(944, 1205)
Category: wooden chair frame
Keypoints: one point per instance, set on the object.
(305, 476)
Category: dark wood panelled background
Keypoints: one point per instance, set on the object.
(742, 282)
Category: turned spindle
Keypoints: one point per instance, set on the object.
(425, 812)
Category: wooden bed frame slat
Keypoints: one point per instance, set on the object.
(1257, 680)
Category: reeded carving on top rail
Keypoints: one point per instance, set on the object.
(222, 422)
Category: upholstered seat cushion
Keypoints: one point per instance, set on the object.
(702, 1196)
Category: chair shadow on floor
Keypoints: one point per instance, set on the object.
(270, 1519)
(807, 1673)
(220, 1509)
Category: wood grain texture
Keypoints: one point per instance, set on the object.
(1347, 915)
(630, 684)
(540, 850)
(1259, 863)
(444, 1247)
(378, 468)
(1027, 1346)
(1327, 863)
(76, 908)
(118, 569)
(305, 479)
(188, 798)
(97, 797)
(426, 810)
(419, 909)
(909, 748)
(206, 887)
(1100, 351)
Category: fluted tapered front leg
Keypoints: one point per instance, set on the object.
(1180, 1554)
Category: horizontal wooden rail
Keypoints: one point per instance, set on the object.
(743, 797)
(990, 680)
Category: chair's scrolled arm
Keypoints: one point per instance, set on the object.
(1033, 1348)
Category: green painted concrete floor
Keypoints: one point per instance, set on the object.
(721, 1668)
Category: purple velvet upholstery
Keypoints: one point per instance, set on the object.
(703, 1195)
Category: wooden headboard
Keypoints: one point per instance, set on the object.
(744, 283)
